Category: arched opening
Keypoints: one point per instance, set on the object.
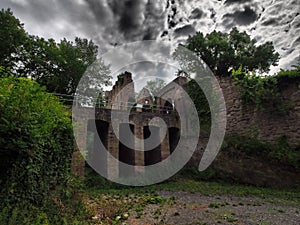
(152, 156)
(168, 106)
(126, 150)
(146, 106)
(94, 144)
(174, 136)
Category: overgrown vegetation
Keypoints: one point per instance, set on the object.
(36, 136)
(36, 143)
(35, 140)
(62, 205)
(292, 73)
(256, 90)
(280, 152)
(263, 91)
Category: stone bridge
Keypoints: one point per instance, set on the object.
(116, 115)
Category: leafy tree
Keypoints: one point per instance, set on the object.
(12, 37)
(154, 86)
(223, 52)
(58, 66)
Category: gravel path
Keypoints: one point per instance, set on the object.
(194, 208)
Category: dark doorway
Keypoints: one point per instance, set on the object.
(168, 107)
(102, 129)
(126, 150)
(174, 136)
(152, 156)
(94, 146)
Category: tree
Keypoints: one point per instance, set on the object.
(223, 52)
(154, 86)
(12, 37)
(58, 66)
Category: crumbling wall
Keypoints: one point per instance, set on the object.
(121, 93)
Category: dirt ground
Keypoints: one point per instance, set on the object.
(194, 208)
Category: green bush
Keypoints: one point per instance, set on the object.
(292, 73)
(280, 151)
(56, 210)
(257, 90)
(36, 141)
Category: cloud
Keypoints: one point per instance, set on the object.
(114, 22)
(185, 30)
(244, 17)
(196, 14)
(99, 11)
(131, 20)
(229, 2)
(132, 16)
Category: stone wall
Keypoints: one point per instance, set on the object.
(121, 93)
(269, 123)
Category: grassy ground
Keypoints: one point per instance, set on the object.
(183, 182)
(111, 203)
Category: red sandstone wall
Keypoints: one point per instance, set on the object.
(267, 124)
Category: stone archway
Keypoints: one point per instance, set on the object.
(126, 154)
(152, 156)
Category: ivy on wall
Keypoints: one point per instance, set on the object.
(256, 90)
(263, 90)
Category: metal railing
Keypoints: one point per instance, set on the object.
(81, 101)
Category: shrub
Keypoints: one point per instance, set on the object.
(36, 141)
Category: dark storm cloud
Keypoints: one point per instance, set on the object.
(132, 15)
(245, 17)
(228, 23)
(107, 22)
(52, 18)
(196, 14)
(185, 30)
(270, 22)
(155, 17)
(131, 19)
(229, 2)
(115, 22)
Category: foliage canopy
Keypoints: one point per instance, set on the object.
(58, 66)
(223, 52)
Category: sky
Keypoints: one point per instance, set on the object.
(113, 23)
